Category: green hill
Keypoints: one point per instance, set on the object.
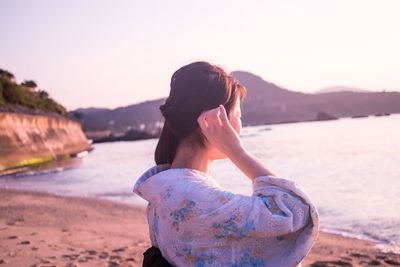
(25, 97)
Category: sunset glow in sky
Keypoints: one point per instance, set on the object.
(116, 53)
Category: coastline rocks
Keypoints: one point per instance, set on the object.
(324, 116)
(31, 139)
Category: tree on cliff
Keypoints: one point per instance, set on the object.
(24, 98)
(43, 94)
(6, 75)
(29, 83)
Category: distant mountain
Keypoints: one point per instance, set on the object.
(261, 88)
(335, 89)
(92, 110)
(268, 103)
(143, 116)
(265, 103)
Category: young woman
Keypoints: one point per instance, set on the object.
(192, 220)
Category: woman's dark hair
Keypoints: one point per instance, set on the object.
(195, 88)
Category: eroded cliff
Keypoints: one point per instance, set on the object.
(29, 139)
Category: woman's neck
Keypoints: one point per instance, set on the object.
(192, 157)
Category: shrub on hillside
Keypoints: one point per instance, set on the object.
(2, 100)
(13, 94)
(29, 84)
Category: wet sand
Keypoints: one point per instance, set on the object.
(39, 229)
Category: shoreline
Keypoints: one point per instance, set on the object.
(38, 228)
(379, 244)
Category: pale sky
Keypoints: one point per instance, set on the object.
(116, 53)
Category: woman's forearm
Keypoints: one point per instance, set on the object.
(249, 164)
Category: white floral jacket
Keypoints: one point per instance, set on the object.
(194, 222)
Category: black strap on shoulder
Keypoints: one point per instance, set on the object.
(154, 258)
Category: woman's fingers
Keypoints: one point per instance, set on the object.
(217, 129)
(213, 118)
(223, 116)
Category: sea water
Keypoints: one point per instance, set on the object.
(349, 167)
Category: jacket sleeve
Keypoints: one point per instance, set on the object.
(277, 207)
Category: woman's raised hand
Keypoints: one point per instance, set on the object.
(219, 132)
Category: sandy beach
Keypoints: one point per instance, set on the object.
(39, 229)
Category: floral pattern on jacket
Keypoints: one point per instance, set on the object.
(194, 222)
